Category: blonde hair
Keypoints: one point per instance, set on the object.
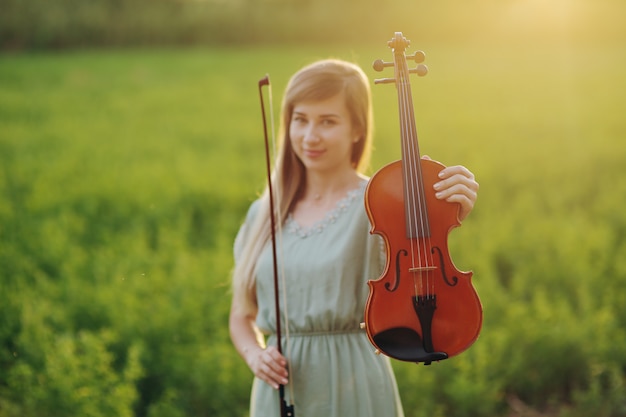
(318, 81)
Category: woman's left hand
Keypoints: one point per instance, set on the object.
(457, 185)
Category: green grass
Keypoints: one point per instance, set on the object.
(124, 175)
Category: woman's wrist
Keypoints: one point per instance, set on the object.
(249, 352)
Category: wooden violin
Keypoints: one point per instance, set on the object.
(421, 309)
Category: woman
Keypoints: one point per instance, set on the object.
(326, 252)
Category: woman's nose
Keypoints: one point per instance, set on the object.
(311, 134)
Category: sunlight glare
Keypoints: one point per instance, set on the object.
(550, 19)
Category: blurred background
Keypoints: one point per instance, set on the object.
(40, 24)
(131, 148)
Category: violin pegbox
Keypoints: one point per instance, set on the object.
(399, 44)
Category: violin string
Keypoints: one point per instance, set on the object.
(424, 218)
(281, 263)
(410, 174)
(405, 162)
(420, 219)
(410, 156)
(417, 197)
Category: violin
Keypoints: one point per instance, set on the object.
(422, 308)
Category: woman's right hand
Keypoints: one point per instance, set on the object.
(268, 365)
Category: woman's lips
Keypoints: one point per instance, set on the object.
(313, 153)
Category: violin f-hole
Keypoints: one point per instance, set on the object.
(455, 280)
(398, 269)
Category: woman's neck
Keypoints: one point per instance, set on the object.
(321, 195)
(321, 188)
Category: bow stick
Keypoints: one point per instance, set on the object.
(285, 410)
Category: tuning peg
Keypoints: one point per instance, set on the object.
(379, 65)
(384, 80)
(420, 70)
(418, 56)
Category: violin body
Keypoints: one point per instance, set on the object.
(392, 324)
(422, 308)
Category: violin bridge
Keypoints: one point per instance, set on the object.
(423, 269)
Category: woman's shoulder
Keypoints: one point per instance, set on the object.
(244, 229)
(253, 209)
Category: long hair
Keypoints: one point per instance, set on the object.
(318, 81)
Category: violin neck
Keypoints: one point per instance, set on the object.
(417, 223)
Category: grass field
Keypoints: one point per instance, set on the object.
(124, 175)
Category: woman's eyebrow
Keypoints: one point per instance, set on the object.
(323, 115)
(330, 115)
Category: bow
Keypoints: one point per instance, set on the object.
(285, 409)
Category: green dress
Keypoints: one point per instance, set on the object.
(334, 371)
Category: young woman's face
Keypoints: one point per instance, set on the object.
(322, 134)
